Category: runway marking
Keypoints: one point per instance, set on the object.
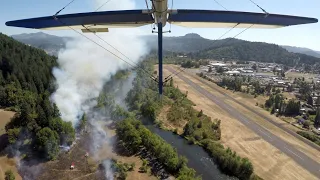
(265, 133)
(294, 153)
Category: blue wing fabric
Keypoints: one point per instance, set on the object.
(104, 18)
(209, 18)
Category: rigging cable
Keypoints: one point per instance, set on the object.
(178, 72)
(102, 5)
(175, 74)
(97, 44)
(149, 11)
(120, 52)
(220, 5)
(64, 7)
(259, 6)
(55, 18)
(266, 15)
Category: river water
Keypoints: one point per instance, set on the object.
(198, 159)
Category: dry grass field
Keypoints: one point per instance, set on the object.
(5, 162)
(269, 162)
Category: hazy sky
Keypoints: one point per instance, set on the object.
(303, 35)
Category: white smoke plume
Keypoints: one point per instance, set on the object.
(108, 173)
(85, 67)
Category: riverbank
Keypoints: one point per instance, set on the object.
(182, 118)
(237, 136)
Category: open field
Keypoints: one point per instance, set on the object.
(5, 162)
(167, 125)
(269, 162)
(308, 77)
(258, 115)
(5, 117)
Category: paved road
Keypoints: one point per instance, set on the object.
(298, 156)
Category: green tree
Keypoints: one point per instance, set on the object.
(48, 142)
(13, 135)
(273, 110)
(64, 129)
(305, 90)
(42, 119)
(171, 82)
(317, 119)
(306, 124)
(144, 167)
(254, 67)
(9, 175)
(290, 88)
(200, 113)
(310, 100)
(56, 112)
(220, 70)
(292, 108)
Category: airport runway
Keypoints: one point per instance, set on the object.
(289, 131)
(298, 156)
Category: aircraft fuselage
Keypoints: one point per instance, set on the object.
(160, 11)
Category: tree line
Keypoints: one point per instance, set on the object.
(134, 136)
(312, 137)
(237, 83)
(288, 108)
(26, 83)
(200, 129)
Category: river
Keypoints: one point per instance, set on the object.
(198, 159)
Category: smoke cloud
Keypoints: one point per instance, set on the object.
(85, 67)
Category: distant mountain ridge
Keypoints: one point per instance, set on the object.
(198, 47)
(302, 50)
(49, 43)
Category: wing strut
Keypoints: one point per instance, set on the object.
(160, 80)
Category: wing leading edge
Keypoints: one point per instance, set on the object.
(187, 18)
(95, 20)
(224, 19)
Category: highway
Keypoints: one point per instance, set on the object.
(301, 158)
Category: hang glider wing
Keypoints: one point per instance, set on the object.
(227, 19)
(95, 21)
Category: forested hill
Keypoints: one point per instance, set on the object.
(300, 50)
(197, 47)
(25, 87)
(183, 44)
(254, 51)
(50, 43)
(26, 67)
